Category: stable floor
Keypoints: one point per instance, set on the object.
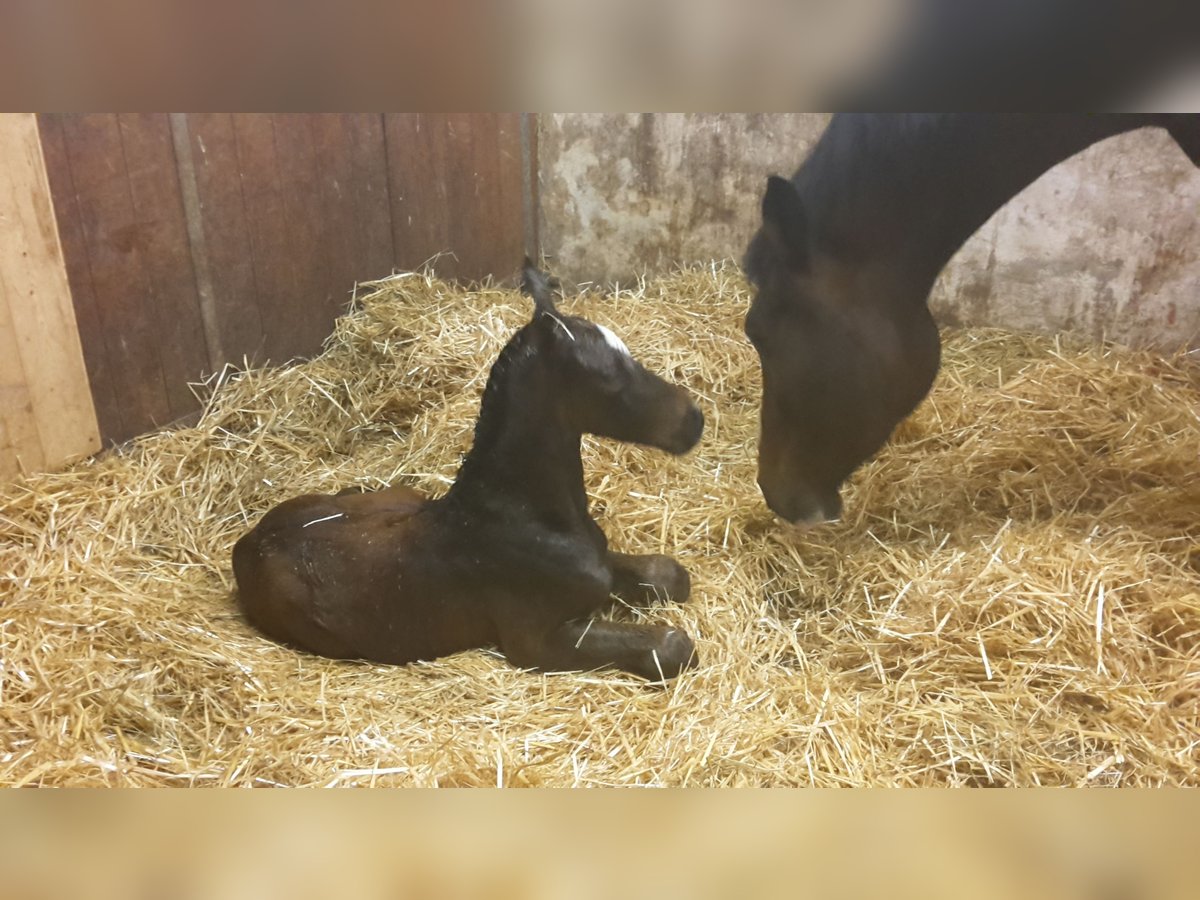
(1012, 598)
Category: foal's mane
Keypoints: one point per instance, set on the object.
(514, 353)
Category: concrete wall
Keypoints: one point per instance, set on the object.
(1107, 243)
(626, 194)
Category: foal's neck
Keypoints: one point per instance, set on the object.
(525, 457)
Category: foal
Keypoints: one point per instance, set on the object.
(510, 556)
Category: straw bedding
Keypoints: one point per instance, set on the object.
(1013, 597)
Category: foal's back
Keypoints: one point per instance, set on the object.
(346, 576)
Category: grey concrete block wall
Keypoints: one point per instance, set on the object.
(1105, 244)
(623, 195)
(1108, 243)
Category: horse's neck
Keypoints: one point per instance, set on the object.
(525, 456)
(910, 190)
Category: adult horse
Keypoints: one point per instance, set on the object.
(843, 263)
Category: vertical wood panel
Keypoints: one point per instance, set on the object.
(116, 189)
(96, 159)
(353, 181)
(79, 276)
(530, 197)
(456, 185)
(335, 206)
(312, 213)
(20, 443)
(418, 186)
(159, 232)
(46, 412)
(488, 211)
(216, 167)
(374, 254)
(270, 240)
(191, 241)
(308, 298)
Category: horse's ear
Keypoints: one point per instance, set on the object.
(540, 286)
(784, 221)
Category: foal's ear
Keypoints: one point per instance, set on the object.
(540, 286)
(784, 221)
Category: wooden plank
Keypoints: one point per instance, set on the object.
(335, 213)
(37, 319)
(119, 280)
(270, 241)
(79, 275)
(374, 253)
(218, 174)
(20, 444)
(356, 217)
(457, 185)
(530, 202)
(285, 213)
(306, 302)
(469, 142)
(185, 162)
(311, 215)
(161, 236)
(418, 187)
(488, 234)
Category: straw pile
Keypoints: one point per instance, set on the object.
(1012, 599)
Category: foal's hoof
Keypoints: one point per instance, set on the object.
(675, 652)
(665, 581)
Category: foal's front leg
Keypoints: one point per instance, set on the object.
(653, 578)
(655, 652)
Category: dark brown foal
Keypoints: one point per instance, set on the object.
(510, 556)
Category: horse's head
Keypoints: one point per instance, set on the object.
(847, 349)
(607, 392)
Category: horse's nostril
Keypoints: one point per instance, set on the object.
(690, 429)
(797, 504)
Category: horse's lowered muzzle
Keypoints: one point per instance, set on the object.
(687, 435)
(800, 506)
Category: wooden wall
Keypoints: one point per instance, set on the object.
(46, 416)
(195, 240)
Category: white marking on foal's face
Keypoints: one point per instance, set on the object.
(613, 341)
